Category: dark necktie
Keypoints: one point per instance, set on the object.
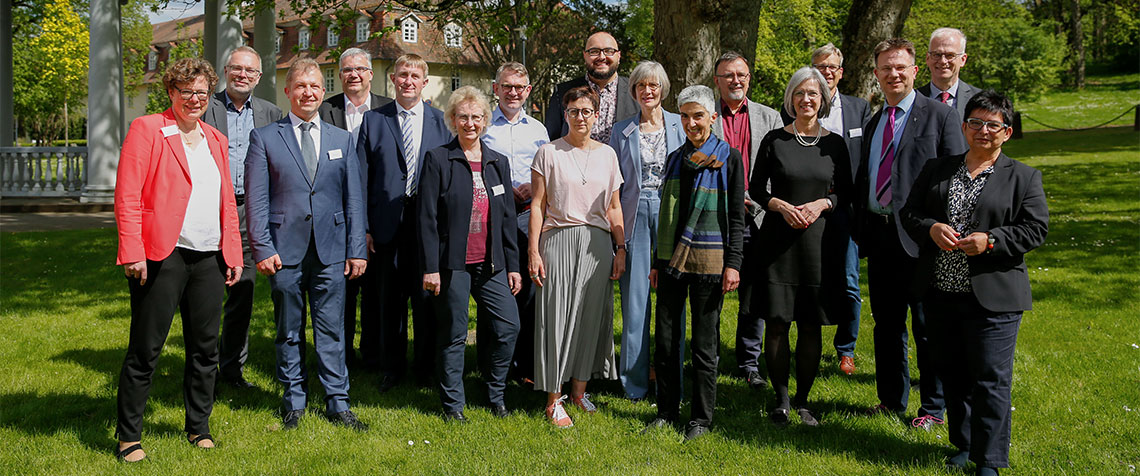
(883, 179)
(945, 97)
(308, 149)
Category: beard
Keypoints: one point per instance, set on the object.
(602, 76)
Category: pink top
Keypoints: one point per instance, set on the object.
(579, 184)
(477, 230)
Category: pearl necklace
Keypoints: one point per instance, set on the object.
(804, 142)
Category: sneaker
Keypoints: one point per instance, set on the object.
(755, 380)
(926, 422)
(556, 413)
(695, 430)
(584, 403)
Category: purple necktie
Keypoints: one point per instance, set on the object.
(883, 180)
(945, 97)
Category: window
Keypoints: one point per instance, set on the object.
(330, 79)
(334, 37)
(277, 43)
(455, 81)
(362, 31)
(411, 29)
(151, 60)
(453, 36)
(303, 38)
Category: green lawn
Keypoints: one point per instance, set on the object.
(64, 315)
(1104, 97)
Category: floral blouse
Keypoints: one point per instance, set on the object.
(951, 269)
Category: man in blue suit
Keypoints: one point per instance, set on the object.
(306, 226)
(392, 143)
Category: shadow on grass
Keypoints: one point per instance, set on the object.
(89, 418)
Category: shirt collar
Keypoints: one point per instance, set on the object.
(296, 121)
(953, 89)
(498, 117)
(416, 110)
(230, 102)
(906, 102)
(365, 107)
(727, 111)
(608, 87)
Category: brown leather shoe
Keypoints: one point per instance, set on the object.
(847, 364)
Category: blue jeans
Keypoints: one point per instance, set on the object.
(846, 334)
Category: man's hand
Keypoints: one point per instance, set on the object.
(619, 264)
(233, 275)
(270, 265)
(136, 270)
(431, 283)
(515, 282)
(522, 193)
(730, 281)
(653, 278)
(368, 240)
(354, 267)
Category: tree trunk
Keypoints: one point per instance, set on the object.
(738, 31)
(1076, 45)
(868, 23)
(686, 39)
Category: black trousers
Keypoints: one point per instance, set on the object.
(192, 282)
(890, 271)
(233, 347)
(365, 287)
(749, 323)
(400, 280)
(522, 363)
(974, 349)
(705, 300)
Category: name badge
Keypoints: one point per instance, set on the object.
(334, 154)
(169, 130)
(856, 132)
(629, 129)
(497, 190)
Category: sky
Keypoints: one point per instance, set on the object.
(178, 10)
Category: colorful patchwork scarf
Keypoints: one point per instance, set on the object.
(699, 249)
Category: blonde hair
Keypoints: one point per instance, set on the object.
(411, 60)
(465, 95)
(301, 66)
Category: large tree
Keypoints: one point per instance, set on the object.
(868, 23)
(686, 40)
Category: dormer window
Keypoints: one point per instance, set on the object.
(151, 60)
(362, 29)
(453, 36)
(334, 37)
(410, 29)
(303, 38)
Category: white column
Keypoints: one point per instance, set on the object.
(7, 113)
(104, 102)
(264, 40)
(229, 36)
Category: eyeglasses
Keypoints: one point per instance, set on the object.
(580, 112)
(885, 69)
(469, 118)
(827, 68)
(358, 70)
(595, 52)
(944, 56)
(188, 93)
(811, 94)
(991, 126)
(649, 86)
(241, 69)
(514, 87)
(734, 76)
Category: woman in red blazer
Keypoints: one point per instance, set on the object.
(179, 246)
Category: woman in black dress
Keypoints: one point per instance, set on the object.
(797, 258)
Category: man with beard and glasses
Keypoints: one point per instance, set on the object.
(602, 57)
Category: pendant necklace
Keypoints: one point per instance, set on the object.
(581, 168)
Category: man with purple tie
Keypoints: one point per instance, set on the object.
(909, 130)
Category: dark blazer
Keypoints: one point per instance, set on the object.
(1011, 207)
(933, 130)
(286, 208)
(264, 113)
(965, 92)
(761, 120)
(332, 110)
(555, 122)
(380, 149)
(445, 209)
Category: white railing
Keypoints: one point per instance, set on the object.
(42, 171)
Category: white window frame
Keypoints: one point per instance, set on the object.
(151, 60)
(303, 36)
(333, 35)
(456, 82)
(363, 29)
(453, 36)
(277, 43)
(410, 29)
(330, 79)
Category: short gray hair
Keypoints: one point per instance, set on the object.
(699, 94)
(244, 49)
(514, 67)
(648, 70)
(945, 32)
(827, 50)
(349, 53)
(463, 95)
(804, 74)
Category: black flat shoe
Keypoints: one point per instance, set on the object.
(388, 382)
(122, 454)
(291, 419)
(200, 438)
(347, 419)
(779, 416)
(500, 411)
(457, 417)
(807, 417)
(958, 461)
(695, 431)
(238, 382)
(656, 423)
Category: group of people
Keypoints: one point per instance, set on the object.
(402, 204)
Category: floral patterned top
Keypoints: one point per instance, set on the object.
(653, 152)
(951, 269)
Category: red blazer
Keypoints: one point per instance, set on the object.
(153, 187)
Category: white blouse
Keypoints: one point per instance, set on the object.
(202, 225)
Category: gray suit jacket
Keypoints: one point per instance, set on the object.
(965, 92)
(264, 113)
(555, 122)
(332, 110)
(761, 120)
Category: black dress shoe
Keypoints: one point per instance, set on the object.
(238, 382)
(388, 382)
(694, 431)
(347, 419)
(500, 411)
(291, 419)
(658, 422)
(958, 461)
(779, 416)
(457, 417)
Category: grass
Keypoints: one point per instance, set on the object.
(1104, 97)
(64, 314)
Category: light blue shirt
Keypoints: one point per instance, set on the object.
(876, 154)
(518, 140)
(240, 124)
(935, 92)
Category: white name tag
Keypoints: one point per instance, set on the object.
(630, 128)
(169, 130)
(334, 154)
(856, 132)
(497, 190)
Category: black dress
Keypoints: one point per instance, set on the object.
(801, 272)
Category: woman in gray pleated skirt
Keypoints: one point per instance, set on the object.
(574, 223)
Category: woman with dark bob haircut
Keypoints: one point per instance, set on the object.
(179, 246)
(975, 217)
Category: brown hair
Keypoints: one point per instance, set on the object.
(411, 60)
(302, 65)
(186, 70)
(579, 93)
(892, 44)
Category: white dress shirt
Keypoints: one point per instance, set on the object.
(834, 120)
(315, 132)
(354, 115)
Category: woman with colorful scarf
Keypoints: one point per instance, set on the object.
(700, 240)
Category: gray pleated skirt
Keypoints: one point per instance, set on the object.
(574, 309)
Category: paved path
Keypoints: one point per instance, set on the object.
(13, 222)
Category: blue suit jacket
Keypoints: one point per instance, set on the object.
(382, 167)
(626, 141)
(285, 208)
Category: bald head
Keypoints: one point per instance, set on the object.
(602, 57)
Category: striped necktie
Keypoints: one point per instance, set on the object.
(883, 179)
(944, 97)
(409, 151)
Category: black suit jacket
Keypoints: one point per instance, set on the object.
(555, 122)
(332, 110)
(965, 92)
(445, 209)
(264, 113)
(932, 130)
(1011, 207)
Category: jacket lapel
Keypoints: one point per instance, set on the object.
(285, 128)
(1003, 168)
(632, 135)
(174, 141)
(393, 121)
(218, 154)
(917, 116)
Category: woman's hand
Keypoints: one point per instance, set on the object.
(431, 283)
(514, 280)
(619, 264)
(811, 211)
(233, 275)
(792, 215)
(536, 268)
(974, 244)
(136, 270)
(730, 280)
(944, 236)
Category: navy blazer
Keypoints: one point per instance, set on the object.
(626, 141)
(933, 130)
(332, 110)
(445, 209)
(555, 122)
(1011, 207)
(285, 208)
(380, 149)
